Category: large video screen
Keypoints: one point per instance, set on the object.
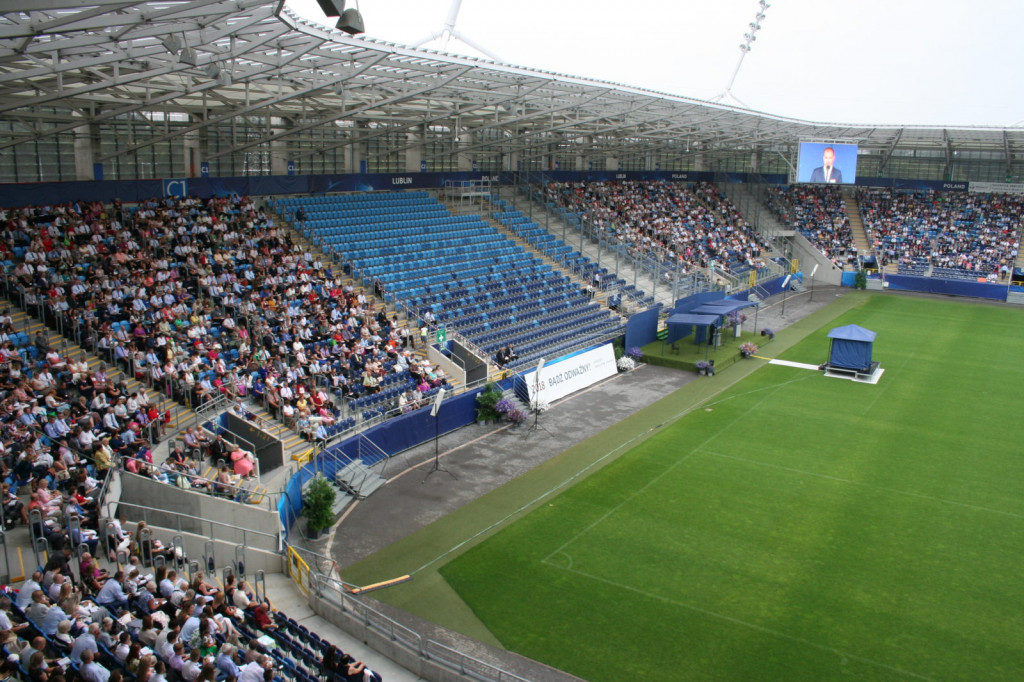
(827, 163)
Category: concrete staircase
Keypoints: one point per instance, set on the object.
(1019, 261)
(181, 415)
(599, 296)
(358, 480)
(860, 235)
(297, 449)
(590, 248)
(754, 211)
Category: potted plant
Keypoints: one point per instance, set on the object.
(747, 349)
(625, 363)
(487, 401)
(635, 353)
(318, 506)
(702, 367)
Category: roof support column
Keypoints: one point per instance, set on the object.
(192, 148)
(354, 151)
(464, 159)
(87, 149)
(414, 152)
(279, 151)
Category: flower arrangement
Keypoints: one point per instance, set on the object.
(626, 363)
(504, 406)
(516, 415)
(747, 349)
(736, 318)
(635, 352)
(703, 366)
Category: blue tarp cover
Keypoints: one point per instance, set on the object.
(722, 307)
(690, 318)
(852, 332)
(851, 347)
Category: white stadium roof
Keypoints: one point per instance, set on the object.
(64, 64)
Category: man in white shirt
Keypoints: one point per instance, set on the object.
(253, 672)
(92, 671)
(165, 643)
(27, 588)
(111, 596)
(85, 642)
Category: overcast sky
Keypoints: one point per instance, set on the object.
(945, 62)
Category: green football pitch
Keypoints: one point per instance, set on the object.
(793, 527)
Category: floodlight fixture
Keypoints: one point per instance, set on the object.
(331, 8)
(351, 22)
(172, 43)
(437, 402)
(188, 56)
(745, 47)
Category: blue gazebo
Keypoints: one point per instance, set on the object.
(850, 349)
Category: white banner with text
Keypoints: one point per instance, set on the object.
(571, 373)
(996, 187)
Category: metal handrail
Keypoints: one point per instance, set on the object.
(192, 477)
(337, 593)
(246, 532)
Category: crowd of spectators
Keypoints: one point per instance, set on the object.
(205, 298)
(682, 226)
(146, 621)
(818, 213)
(975, 233)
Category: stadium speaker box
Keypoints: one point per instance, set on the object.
(331, 8)
(188, 56)
(351, 22)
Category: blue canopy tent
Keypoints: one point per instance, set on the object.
(723, 307)
(680, 325)
(850, 348)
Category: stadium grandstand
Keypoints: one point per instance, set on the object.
(246, 255)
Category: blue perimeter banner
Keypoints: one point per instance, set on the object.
(133, 191)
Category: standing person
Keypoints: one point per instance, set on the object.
(827, 172)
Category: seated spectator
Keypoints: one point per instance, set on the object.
(64, 640)
(227, 662)
(91, 671)
(244, 462)
(112, 596)
(85, 642)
